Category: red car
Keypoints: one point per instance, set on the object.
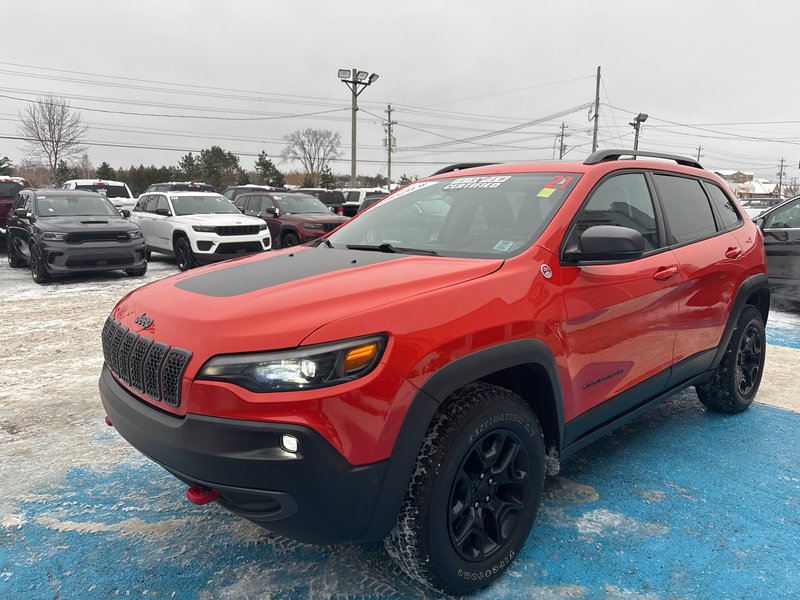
(9, 186)
(292, 218)
(405, 377)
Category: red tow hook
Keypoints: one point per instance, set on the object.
(108, 421)
(199, 494)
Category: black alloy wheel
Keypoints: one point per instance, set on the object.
(15, 261)
(749, 359)
(183, 255)
(289, 240)
(38, 268)
(488, 495)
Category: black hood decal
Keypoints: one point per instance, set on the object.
(283, 268)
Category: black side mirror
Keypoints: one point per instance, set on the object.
(273, 212)
(22, 213)
(125, 213)
(164, 212)
(608, 242)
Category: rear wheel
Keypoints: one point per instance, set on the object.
(474, 494)
(733, 385)
(38, 268)
(183, 254)
(15, 261)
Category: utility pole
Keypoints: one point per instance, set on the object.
(357, 81)
(561, 146)
(596, 110)
(780, 178)
(389, 143)
(699, 149)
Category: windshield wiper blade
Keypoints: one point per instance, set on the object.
(387, 247)
(325, 241)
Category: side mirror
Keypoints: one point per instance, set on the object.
(273, 212)
(164, 212)
(22, 213)
(125, 213)
(608, 242)
(759, 222)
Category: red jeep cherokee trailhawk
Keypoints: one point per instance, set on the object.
(426, 357)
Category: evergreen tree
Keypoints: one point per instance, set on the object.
(189, 168)
(104, 171)
(404, 180)
(327, 179)
(5, 166)
(308, 181)
(65, 172)
(268, 173)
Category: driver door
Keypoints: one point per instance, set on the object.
(782, 244)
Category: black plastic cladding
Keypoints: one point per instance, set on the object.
(151, 368)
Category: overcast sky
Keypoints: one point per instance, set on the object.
(722, 75)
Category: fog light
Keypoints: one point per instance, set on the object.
(289, 443)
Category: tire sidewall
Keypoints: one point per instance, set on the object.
(289, 240)
(183, 254)
(745, 400)
(453, 570)
(38, 269)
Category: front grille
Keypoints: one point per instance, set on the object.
(237, 230)
(239, 248)
(151, 368)
(96, 236)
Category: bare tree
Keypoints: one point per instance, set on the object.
(314, 148)
(52, 130)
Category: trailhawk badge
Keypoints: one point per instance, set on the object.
(547, 272)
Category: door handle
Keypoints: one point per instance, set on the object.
(665, 273)
(733, 252)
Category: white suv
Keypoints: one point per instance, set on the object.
(117, 192)
(198, 227)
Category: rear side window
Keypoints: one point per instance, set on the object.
(9, 188)
(622, 200)
(725, 207)
(686, 209)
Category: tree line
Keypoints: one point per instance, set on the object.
(54, 136)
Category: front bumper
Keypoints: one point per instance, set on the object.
(61, 257)
(313, 495)
(210, 247)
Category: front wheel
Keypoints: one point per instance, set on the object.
(734, 383)
(14, 259)
(38, 268)
(474, 493)
(183, 255)
(137, 272)
(290, 239)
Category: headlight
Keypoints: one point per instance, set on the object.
(313, 226)
(135, 234)
(204, 228)
(262, 226)
(301, 369)
(50, 235)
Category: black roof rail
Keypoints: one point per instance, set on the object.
(460, 166)
(608, 155)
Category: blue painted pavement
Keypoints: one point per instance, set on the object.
(679, 504)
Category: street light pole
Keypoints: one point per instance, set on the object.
(356, 81)
(637, 123)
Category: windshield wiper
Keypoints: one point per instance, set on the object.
(387, 247)
(325, 241)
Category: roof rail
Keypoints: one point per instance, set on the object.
(609, 155)
(460, 166)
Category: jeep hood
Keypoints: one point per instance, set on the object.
(218, 219)
(275, 300)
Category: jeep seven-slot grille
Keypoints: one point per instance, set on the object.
(237, 229)
(152, 368)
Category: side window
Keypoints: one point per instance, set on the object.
(253, 204)
(686, 209)
(229, 194)
(140, 204)
(725, 207)
(20, 202)
(162, 202)
(240, 202)
(151, 204)
(785, 217)
(623, 200)
(266, 204)
(353, 196)
(28, 202)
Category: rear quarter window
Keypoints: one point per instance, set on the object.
(686, 209)
(725, 207)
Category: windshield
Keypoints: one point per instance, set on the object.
(299, 204)
(203, 205)
(54, 205)
(483, 217)
(109, 190)
(9, 188)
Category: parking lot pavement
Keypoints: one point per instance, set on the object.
(681, 503)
